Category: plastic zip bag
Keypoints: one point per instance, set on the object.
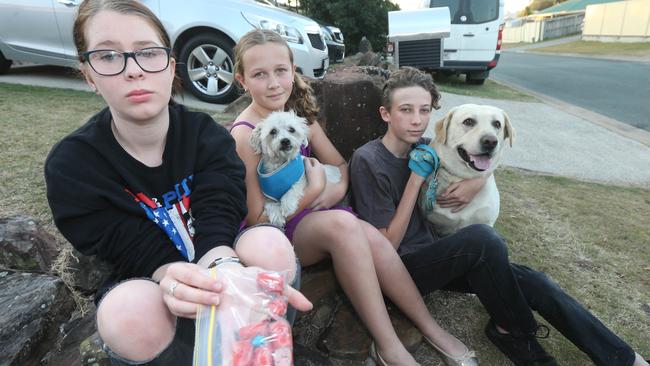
(248, 327)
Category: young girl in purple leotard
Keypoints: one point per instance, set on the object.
(365, 263)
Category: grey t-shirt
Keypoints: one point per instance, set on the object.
(378, 179)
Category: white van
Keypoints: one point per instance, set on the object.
(473, 46)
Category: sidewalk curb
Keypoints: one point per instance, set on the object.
(610, 124)
(643, 60)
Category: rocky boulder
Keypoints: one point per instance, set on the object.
(33, 308)
(349, 101)
(25, 246)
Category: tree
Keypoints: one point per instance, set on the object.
(537, 5)
(355, 19)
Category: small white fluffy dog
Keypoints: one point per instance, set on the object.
(469, 141)
(278, 139)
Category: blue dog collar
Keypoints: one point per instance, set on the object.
(275, 184)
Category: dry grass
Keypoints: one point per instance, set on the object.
(591, 238)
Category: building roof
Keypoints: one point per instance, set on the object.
(572, 6)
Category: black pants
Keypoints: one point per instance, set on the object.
(475, 260)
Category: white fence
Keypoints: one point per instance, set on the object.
(624, 21)
(533, 30)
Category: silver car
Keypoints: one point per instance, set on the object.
(203, 35)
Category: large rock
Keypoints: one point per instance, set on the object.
(92, 353)
(88, 272)
(350, 103)
(365, 45)
(24, 245)
(33, 308)
(73, 332)
(333, 327)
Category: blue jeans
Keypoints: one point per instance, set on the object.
(475, 260)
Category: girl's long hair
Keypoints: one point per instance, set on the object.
(302, 99)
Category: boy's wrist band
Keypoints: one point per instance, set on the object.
(223, 260)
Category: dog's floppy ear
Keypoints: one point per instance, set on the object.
(301, 125)
(508, 130)
(304, 129)
(256, 139)
(443, 125)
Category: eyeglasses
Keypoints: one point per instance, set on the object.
(112, 62)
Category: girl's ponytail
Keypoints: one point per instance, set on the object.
(302, 99)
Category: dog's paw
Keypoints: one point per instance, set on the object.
(332, 173)
(273, 211)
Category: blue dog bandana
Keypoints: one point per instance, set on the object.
(275, 184)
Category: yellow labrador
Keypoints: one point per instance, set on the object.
(469, 141)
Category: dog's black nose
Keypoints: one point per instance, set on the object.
(285, 142)
(488, 143)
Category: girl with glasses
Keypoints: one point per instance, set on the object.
(152, 188)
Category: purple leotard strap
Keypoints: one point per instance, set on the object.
(240, 123)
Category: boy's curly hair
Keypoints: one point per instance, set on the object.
(406, 77)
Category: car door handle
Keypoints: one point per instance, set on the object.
(468, 35)
(69, 3)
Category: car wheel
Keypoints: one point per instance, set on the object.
(4, 64)
(476, 78)
(207, 68)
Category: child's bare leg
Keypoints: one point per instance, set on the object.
(339, 234)
(397, 284)
(267, 247)
(134, 322)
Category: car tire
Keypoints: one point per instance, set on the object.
(476, 78)
(207, 68)
(4, 64)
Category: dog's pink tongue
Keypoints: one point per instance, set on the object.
(480, 161)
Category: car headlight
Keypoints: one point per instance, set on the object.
(326, 34)
(289, 33)
(337, 35)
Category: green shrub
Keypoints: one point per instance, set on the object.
(355, 19)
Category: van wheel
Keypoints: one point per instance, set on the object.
(475, 81)
(4, 64)
(207, 68)
(476, 78)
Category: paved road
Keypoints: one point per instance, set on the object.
(616, 89)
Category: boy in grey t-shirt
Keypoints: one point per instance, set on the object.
(386, 175)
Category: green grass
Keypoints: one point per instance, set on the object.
(593, 48)
(493, 90)
(591, 238)
(33, 119)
